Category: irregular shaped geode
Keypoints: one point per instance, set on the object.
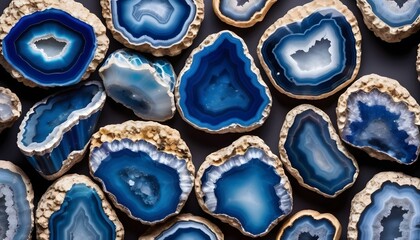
(185, 226)
(242, 13)
(143, 85)
(313, 51)
(391, 20)
(379, 116)
(56, 131)
(145, 167)
(388, 207)
(163, 27)
(51, 42)
(310, 224)
(313, 153)
(16, 203)
(253, 198)
(74, 207)
(220, 89)
(10, 108)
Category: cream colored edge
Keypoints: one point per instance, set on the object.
(16, 109)
(418, 63)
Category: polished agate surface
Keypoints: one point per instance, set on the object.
(396, 13)
(187, 230)
(308, 228)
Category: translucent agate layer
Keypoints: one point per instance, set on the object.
(313, 51)
(220, 89)
(10, 108)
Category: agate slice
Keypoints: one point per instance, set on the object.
(387, 208)
(50, 43)
(313, 153)
(379, 116)
(391, 20)
(245, 186)
(242, 13)
(185, 226)
(145, 168)
(16, 203)
(309, 224)
(159, 27)
(313, 51)
(56, 131)
(220, 89)
(10, 108)
(145, 86)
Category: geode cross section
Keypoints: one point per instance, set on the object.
(10, 108)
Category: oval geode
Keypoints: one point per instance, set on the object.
(313, 153)
(379, 116)
(245, 186)
(145, 167)
(56, 131)
(10, 108)
(164, 27)
(51, 43)
(16, 203)
(313, 51)
(387, 208)
(220, 89)
(145, 86)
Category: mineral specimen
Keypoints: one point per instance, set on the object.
(418, 63)
(10, 108)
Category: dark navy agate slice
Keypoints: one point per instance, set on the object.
(396, 13)
(308, 228)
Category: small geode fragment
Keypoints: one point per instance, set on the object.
(144, 167)
(418, 63)
(245, 186)
(387, 208)
(10, 108)
(379, 116)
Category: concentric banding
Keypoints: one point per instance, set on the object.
(10, 108)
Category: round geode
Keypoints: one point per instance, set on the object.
(10, 108)
(51, 43)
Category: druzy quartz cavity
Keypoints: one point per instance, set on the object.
(10, 108)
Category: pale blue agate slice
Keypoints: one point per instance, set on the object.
(6, 107)
(187, 230)
(241, 10)
(308, 228)
(396, 13)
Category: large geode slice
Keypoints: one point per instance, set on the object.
(387, 208)
(16, 207)
(313, 153)
(51, 43)
(145, 86)
(220, 89)
(163, 27)
(245, 186)
(379, 116)
(309, 224)
(56, 131)
(10, 108)
(145, 167)
(313, 51)
(74, 207)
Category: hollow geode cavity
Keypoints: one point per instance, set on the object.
(10, 108)
(313, 51)
(245, 186)
(145, 86)
(313, 153)
(387, 208)
(145, 167)
(16, 203)
(51, 43)
(163, 27)
(220, 89)
(379, 116)
(56, 131)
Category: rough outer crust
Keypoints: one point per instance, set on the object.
(29, 191)
(316, 215)
(238, 147)
(234, 127)
(172, 50)
(16, 109)
(52, 199)
(20, 8)
(257, 17)
(384, 85)
(298, 14)
(152, 233)
(418, 63)
(362, 199)
(383, 30)
(288, 123)
(166, 140)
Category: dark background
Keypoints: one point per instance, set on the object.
(396, 61)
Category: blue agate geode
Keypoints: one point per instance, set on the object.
(313, 51)
(313, 153)
(245, 186)
(10, 108)
(220, 89)
(145, 86)
(56, 131)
